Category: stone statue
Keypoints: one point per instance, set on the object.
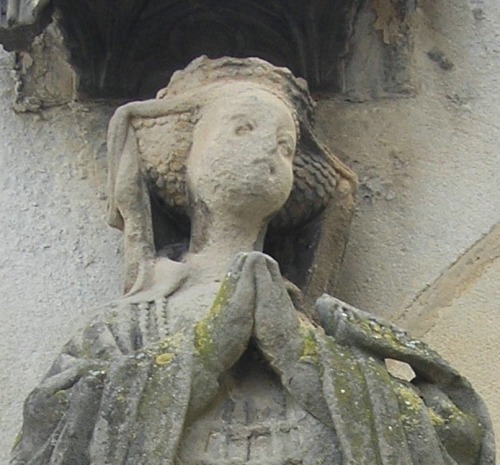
(210, 358)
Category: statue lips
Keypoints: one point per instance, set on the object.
(265, 161)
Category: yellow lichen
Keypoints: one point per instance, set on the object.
(18, 439)
(309, 351)
(409, 397)
(203, 339)
(435, 418)
(221, 297)
(410, 405)
(164, 359)
(388, 21)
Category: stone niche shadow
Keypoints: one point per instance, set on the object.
(128, 49)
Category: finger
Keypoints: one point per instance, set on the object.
(236, 268)
(72, 443)
(263, 281)
(222, 335)
(68, 377)
(274, 269)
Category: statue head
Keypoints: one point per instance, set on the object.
(241, 158)
(209, 90)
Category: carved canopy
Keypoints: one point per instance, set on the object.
(130, 47)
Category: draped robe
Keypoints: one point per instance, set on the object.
(122, 389)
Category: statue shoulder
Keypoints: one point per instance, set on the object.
(383, 340)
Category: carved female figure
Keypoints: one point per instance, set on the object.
(192, 368)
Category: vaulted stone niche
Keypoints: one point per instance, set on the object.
(131, 47)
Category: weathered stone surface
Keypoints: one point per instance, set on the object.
(430, 190)
(381, 51)
(44, 75)
(156, 376)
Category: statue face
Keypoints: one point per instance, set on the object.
(241, 158)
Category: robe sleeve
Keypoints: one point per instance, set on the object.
(451, 406)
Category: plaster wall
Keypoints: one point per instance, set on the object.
(467, 335)
(425, 237)
(429, 168)
(58, 258)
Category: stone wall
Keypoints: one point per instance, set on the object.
(425, 241)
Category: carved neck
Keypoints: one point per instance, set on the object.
(218, 237)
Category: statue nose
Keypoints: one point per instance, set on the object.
(269, 144)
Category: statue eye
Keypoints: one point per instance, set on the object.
(286, 146)
(244, 128)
